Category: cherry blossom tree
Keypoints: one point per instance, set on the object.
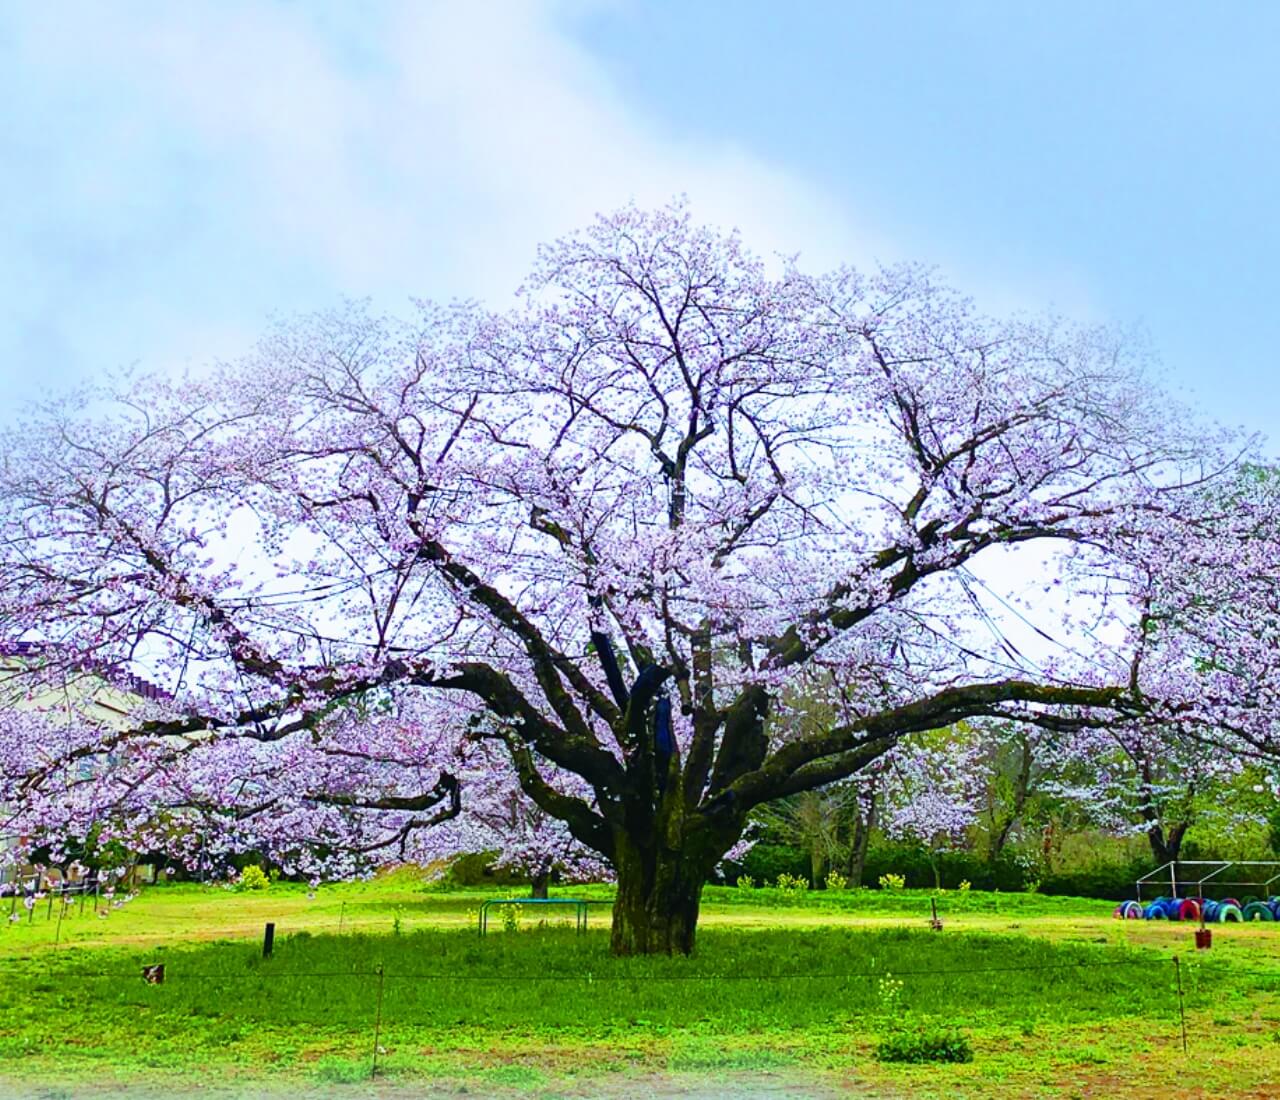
(325, 807)
(932, 784)
(1138, 781)
(610, 529)
(1221, 625)
(498, 817)
(328, 806)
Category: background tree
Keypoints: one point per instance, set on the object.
(1148, 783)
(931, 787)
(810, 821)
(622, 521)
(499, 818)
(1013, 789)
(862, 818)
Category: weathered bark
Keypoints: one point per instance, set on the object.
(663, 857)
(1021, 791)
(1166, 844)
(659, 894)
(1166, 847)
(857, 862)
(539, 883)
(864, 824)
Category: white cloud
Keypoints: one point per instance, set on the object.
(187, 169)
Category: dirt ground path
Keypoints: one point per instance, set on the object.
(659, 1086)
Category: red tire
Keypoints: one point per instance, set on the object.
(1189, 909)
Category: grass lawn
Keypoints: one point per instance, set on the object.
(1054, 997)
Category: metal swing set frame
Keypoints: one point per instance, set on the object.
(1210, 872)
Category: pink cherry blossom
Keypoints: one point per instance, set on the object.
(591, 547)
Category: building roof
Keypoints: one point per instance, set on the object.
(114, 674)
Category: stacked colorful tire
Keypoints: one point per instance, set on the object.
(1172, 909)
(1211, 908)
(1274, 905)
(1128, 910)
(1257, 910)
(1229, 913)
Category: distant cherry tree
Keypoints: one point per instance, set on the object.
(609, 530)
(931, 789)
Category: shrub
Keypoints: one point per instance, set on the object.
(476, 869)
(253, 878)
(1009, 872)
(964, 886)
(746, 882)
(342, 1071)
(765, 862)
(924, 1046)
(836, 881)
(792, 884)
(1105, 880)
(892, 882)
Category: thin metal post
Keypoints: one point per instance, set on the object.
(1182, 1008)
(268, 939)
(377, 1023)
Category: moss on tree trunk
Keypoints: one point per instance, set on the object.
(656, 908)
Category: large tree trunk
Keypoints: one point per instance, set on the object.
(656, 908)
(539, 883)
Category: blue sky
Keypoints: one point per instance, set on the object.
(175, 174)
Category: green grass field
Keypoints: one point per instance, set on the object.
(1054, 997)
